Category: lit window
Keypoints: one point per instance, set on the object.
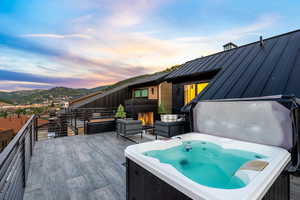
(200, 87)
(192, 90)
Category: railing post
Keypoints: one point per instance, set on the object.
(23, 140)
(76, 132)
(35, 128)
(30, 137)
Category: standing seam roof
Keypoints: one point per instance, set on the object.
(251, 70)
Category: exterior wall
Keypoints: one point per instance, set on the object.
(151, 95)
(111, 100)
(165, 96)
(177, 97)
(5, 137)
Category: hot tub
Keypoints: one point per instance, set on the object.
(247, 183)
(239, 150)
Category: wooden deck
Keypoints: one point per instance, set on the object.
(84, 168)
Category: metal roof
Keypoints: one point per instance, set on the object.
(251, 70)
(154, 78)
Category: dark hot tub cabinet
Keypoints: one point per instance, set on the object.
(266, 123)
(169, 129)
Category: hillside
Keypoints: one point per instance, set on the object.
(39, 96)
(4, 103)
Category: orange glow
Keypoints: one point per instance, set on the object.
(146, 118)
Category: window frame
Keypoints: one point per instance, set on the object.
(143, 93)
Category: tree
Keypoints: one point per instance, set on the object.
(19, 111)
(4, 114)
(120, 112)
(37, 111)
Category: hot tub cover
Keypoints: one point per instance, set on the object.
(264, 122)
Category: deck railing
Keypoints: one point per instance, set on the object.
(15, 161)
(138, 105)
(86, 116)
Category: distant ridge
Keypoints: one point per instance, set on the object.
(4, 103)
(39, 96)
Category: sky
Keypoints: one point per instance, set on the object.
(89, 43)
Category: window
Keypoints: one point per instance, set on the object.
(192, 90)
(141, 93)
(200, 87)
(137, 93)
(152, 91)
(145, 93)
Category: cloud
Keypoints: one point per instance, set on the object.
(23, 83)
(34, 79)
(127, 13)
(64, 56)
(8, 86)
(58, 36)
(11, 79)
(260, 24)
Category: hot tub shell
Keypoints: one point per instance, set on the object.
(257, 187)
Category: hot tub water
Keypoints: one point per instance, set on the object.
(206, 163)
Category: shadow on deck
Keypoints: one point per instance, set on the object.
(85, 168)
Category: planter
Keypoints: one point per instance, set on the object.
(168, 117)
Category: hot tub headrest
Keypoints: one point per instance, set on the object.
(263, 122)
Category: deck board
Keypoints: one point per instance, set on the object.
(85, 168)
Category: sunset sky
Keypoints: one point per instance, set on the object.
(88, 43)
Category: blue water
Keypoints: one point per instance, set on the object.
(206, 163)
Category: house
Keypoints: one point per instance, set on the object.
(146, 95)
(5, 137)
(266, 67)
(13, 122)
(140, 97)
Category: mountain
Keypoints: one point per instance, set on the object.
(39, 96)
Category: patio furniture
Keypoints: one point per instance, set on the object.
(169, 129)
(127, 127)
(148, 128)
(100, 127)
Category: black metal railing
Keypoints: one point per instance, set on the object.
(84, 116)
(15, 161)
(134, 106)
(141, 101)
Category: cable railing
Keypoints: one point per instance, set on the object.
(15, 161)
(90, 119)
